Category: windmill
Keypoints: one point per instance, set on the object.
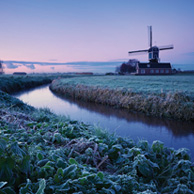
(153, 51)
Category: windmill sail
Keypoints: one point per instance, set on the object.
(138, 51)
(150, 36)
(153, 51)
(166, 47)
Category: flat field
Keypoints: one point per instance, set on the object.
(140, 84)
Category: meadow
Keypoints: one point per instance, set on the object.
(160, 96)
(183, 83)
(44, 153)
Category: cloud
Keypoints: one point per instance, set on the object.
(82, 63)
(93, 63)
(12, 65)
(30, 66)
(75, 66)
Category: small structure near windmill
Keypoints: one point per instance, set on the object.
(19, 73)
(153, 67)
(1, 67)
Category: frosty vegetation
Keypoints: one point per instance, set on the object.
(44, 153)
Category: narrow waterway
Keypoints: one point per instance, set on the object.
(174, 134)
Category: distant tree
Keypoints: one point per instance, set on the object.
(128, 67)
(124, 68)
(1, 67)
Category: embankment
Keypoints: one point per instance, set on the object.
(175, 105)
(11, 84)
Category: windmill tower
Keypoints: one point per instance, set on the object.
(1, 67)
(153, 51)
(153, 66)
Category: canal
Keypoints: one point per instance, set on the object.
(176, 134)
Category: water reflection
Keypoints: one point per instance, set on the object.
(178, 128)
(175, 134)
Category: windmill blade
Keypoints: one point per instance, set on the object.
(150, 36)
(166, 47)
(138, 51)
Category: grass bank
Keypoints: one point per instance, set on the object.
(14, 83)
(44, 153)
(161, 96)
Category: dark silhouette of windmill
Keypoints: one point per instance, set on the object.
(153, 51)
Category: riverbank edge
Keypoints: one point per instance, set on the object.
(45, 152)
(165, 105)
(16, 83)
(12, 84)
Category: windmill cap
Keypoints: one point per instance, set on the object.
(153, 48)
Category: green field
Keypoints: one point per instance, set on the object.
(44, 153)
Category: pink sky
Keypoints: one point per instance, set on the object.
(72, 31)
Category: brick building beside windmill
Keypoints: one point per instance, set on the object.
(153, 67)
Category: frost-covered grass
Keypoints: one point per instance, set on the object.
(161, 96)
(44, 153)
(141, 84)
(14, 83)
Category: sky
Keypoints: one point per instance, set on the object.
(92, 35)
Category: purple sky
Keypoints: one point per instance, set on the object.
(62, 31)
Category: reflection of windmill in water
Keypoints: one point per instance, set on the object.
(1, 67)
(153, 66)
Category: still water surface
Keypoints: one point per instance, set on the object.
(174, 134)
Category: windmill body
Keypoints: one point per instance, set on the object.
(153, 67)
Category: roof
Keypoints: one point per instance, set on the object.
(19, 73)
(154, 65)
